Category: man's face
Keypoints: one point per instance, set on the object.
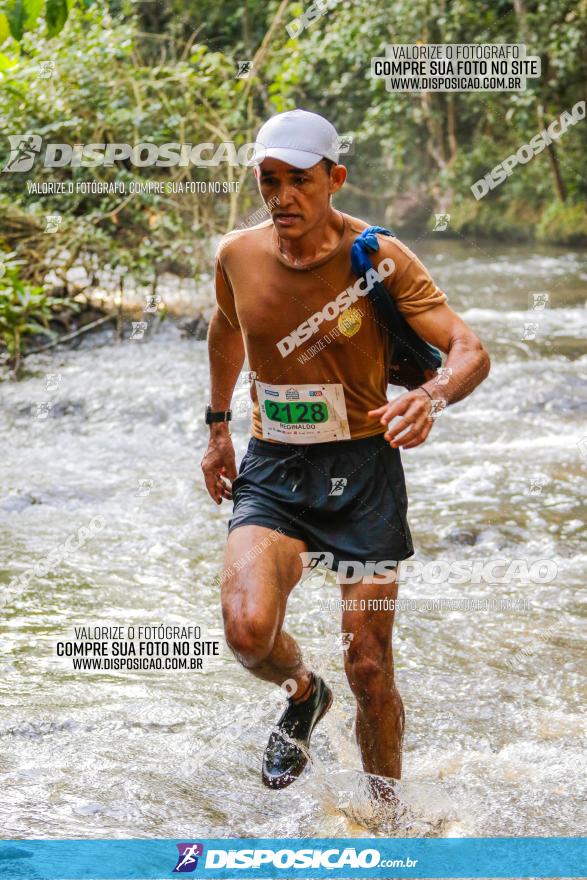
(299, 198)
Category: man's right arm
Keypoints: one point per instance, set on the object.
(226, 354)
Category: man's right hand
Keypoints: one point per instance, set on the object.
(219, 464)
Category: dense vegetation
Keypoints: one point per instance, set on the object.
(102, 72)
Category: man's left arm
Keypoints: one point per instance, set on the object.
(467, 365)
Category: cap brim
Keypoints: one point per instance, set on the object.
(297, 158)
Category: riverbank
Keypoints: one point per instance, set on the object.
(481, 272)
(558, 223)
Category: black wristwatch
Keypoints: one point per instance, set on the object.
(224, 416)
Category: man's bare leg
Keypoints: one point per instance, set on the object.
(369, 669)
(254, 600)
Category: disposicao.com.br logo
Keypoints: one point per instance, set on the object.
(26, 149)
(326, 859)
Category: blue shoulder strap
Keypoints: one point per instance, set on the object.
(363, 243)
(408, 345)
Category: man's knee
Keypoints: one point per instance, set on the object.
(250, 637)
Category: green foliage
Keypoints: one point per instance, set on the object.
(564, 223)
(16, 16)
(23, 15)
(109, 93)
(56, 15)
(130, 71)
(25, 310)
(442, 143)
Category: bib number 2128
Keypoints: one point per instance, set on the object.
(296, 413)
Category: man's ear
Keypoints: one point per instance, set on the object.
(337, 178)
(257, 176)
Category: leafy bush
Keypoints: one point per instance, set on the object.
(132, 72)
(564, 223)
(25, 310)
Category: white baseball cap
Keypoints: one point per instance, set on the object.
(297, 137)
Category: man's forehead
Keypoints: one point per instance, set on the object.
(272, 166)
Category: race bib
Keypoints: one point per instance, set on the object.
(303, 413)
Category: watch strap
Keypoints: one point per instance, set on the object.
(218, 416)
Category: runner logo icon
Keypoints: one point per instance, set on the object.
(23, 150)
(187, 860)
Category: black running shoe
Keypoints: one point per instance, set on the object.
(284, 759)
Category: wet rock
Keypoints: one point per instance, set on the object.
(16, 503)
(38, 729)
(59, 408)
(464, 537)
(197, 328)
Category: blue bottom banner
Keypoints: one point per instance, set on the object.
(514, 857)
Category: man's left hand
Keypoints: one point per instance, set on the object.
(415, 411)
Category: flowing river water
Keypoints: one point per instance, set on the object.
(495, 736)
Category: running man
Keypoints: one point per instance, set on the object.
(322, 474)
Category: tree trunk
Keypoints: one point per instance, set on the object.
(553, 158)
(520, 11)
(119, 317)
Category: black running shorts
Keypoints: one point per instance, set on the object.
(346, 497)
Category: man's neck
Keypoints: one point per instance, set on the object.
(316, 244)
